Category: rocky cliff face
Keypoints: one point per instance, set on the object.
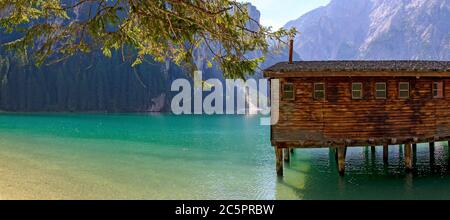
(202, 54)
(375, 29)
(274, 56)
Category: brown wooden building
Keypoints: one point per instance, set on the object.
(360, 103)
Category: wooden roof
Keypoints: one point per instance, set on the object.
(395, 68)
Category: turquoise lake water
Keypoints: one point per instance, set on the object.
(145, 156)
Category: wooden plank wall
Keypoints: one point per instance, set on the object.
(339, 119)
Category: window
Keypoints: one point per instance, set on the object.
(380, 90)
(403, 90)
(357, 90)
(288, 91)
(438, 90)
(319, 90)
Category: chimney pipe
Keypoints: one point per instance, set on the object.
(291, 50)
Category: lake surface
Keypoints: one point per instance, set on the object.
(143, 156)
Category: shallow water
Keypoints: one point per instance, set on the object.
(142, 156)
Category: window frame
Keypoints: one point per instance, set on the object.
(377, 90)
(438, 96)
(322, 90)
(400, 90)
(284, 91)
(361, 91)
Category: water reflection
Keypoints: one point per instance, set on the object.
(197, 157)
(312, 174)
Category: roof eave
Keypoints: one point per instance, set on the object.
(392, 73)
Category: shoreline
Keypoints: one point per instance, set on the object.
(21, 180)
(25, 178)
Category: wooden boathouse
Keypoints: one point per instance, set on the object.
(339, 104)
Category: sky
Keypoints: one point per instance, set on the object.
(277, 13)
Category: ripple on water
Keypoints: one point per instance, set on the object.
(176, 157)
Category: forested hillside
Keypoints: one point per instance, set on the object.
(88, 82)
(93, 82)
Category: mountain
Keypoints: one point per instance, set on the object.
(375, 30)
(202, 54)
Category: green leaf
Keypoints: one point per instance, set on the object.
(162, 29)
(136, 62)
(107, 52)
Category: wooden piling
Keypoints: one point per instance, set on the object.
(448, 146)
(366, 153)
(385, 153)
(287, 154)
(431, 145)
(373, 149)
(335, 154)
(279, 160)
(341, 151)
(408, 158)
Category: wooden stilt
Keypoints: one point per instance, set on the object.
(366, 156)
(292, 150)
(385, 153)
(341, 159)
(373, 155)
(279, 160)
(287, 154)
(335, 154)
(414, 148)
(448, 149)
(431, 145)
(408, 159)
(448, 155)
